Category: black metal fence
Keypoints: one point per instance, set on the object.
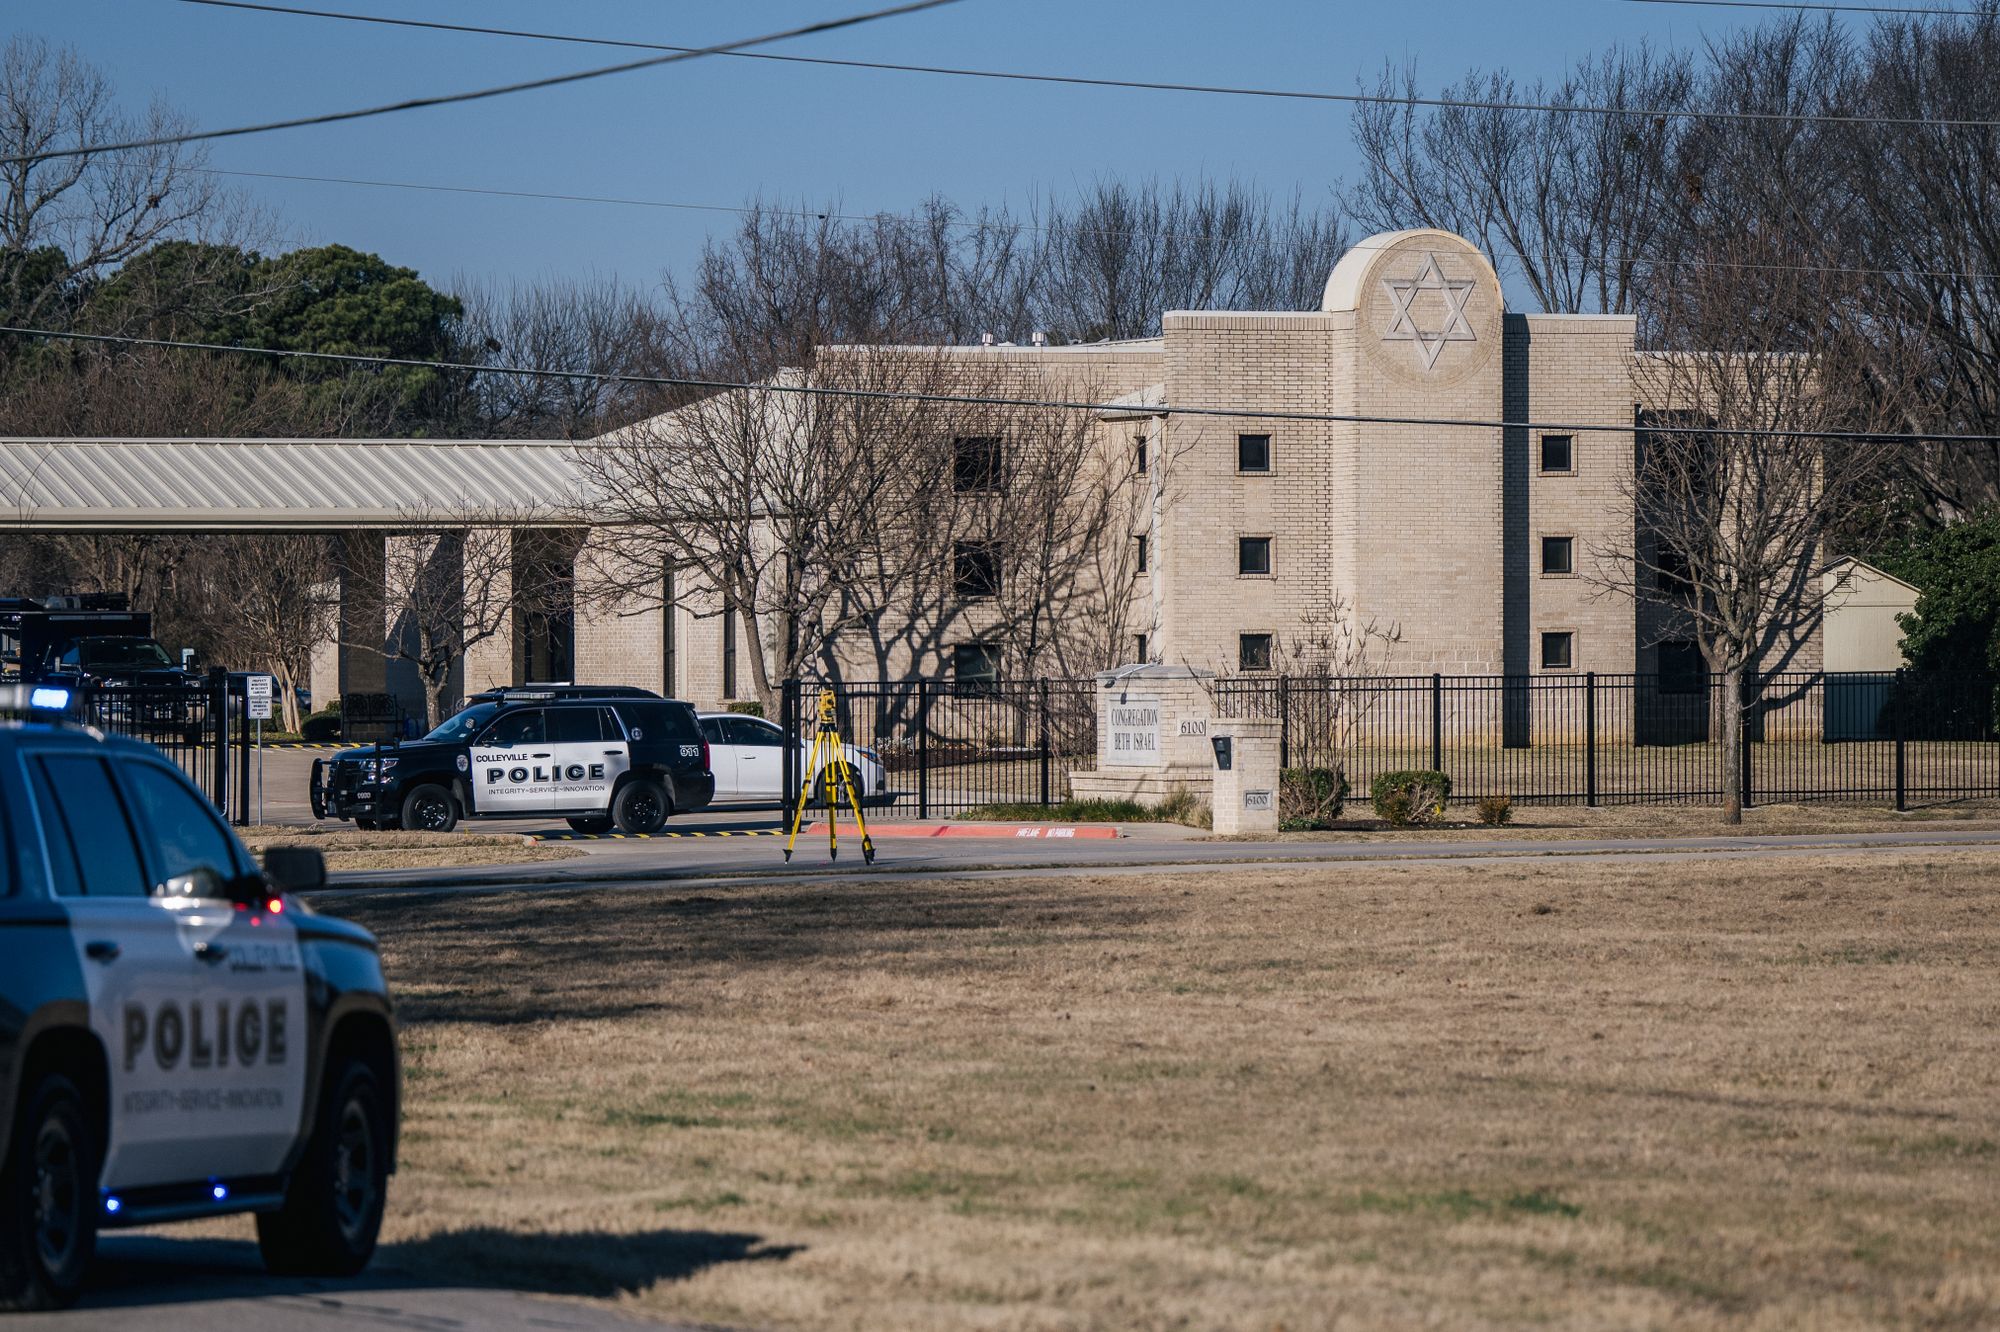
(947, 747)
(203, 728)
(1894, 738)
(1890, 738)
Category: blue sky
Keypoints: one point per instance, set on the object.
(722, 131)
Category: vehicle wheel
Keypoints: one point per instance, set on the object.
(48, 1200)
(333, 1209)
(596, 823)
(641, 807)
(367, 825)
(429, 808)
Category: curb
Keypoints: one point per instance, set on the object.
(1072, 832)
(533, 838)
(876, 832)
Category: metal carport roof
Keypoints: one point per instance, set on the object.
(284, 484)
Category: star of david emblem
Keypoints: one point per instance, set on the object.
(1403, 323)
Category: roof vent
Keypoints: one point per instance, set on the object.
(1039, 338)
(986, 339)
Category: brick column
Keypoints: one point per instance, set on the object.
(488, 562)
(620, 636)
(363, 615)
(1246, 793)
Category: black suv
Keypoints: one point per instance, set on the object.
(594, 760)
(179, 1036)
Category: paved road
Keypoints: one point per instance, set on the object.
(163, 1284)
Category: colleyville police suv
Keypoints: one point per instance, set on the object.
(180, 1036)
(594, 757)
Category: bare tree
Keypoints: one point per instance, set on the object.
(1111, 261)
(1756, 446)
(64, 220)
(764, 497)
(1924, 225)
(451, 583)
(281, 607)
(595, 326)
(1574, 199)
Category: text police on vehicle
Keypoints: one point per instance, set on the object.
(594, 760)
(179, 1036)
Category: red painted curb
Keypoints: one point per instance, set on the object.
(1062, 832)
(1046, 831)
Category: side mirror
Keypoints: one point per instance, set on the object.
(294, 869)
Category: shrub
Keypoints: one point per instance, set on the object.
(1310, 799)
(1180, 806)
(748, 707)
(1412, 797)
(321, 726)
(1496, 811)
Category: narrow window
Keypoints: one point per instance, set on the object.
(976, 462)
(1139, 455)
(1558, 651)
(1253, 453)
(975, 573)
(1139, 648)
(1673, 578)
(667, 639)
(1253, 555)
(1139, 552)
(729, 648)
(1558, 555)
(1253, 652)
(1558, 453)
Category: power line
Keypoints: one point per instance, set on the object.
(477, 94)
(987, 400)
(1082, 81)
(1796, 6)
(981, 224)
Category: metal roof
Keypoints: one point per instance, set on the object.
(282, 484)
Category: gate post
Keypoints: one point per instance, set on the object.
(1284, 722)
(1437, 722)
(1042, 703)
(1743, 741)
(218, 727)
(1902, 757)
(923, 747)
(1590, 739)
(788, 722)
(243, 760)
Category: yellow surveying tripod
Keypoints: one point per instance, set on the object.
(828, 770)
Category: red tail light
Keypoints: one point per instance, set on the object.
(704, 756)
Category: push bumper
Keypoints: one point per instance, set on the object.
(332, 798)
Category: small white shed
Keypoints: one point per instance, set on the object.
(1862, 603)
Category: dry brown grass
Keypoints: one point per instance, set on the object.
(1557, 1094)
(352, 849)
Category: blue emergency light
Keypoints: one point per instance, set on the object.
(50, 698)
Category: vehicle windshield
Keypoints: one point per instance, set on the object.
(122, 654)
(466, 724)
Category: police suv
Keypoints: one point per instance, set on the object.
(179, 1035)
(594, 759)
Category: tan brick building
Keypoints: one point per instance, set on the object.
(1477, 542)
(1367, 481)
